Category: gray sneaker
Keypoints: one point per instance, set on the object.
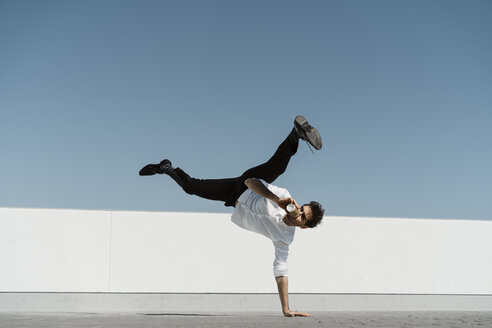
(307, 132)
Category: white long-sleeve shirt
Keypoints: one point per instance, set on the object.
(258, 214)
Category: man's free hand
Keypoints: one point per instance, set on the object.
(283, 202)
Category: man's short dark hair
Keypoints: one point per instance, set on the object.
(318, 213)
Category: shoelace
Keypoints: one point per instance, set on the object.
(309, 145)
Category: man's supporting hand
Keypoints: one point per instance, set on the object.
(296, 314)
(283, 292)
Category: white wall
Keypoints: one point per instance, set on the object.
(44, 250)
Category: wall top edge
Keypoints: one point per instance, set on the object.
(229, 213)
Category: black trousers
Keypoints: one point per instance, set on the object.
(229, 190)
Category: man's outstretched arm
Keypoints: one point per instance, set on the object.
(283, 292)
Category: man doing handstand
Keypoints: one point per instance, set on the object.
(259, 206)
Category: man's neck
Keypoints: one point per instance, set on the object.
(286, 220)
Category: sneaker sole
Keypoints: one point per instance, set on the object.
(312, 135)
(149, 169)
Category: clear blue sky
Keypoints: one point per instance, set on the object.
(401, 91)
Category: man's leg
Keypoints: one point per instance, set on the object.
(213, 189)
(277, 164)
(226, 190)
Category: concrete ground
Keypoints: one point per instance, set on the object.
(238, 320)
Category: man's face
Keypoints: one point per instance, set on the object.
(305, 216)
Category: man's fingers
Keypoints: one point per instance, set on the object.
(297, 314)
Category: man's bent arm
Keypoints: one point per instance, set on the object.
(283, 293)
(258, 187)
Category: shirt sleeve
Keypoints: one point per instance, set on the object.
(280, 267)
